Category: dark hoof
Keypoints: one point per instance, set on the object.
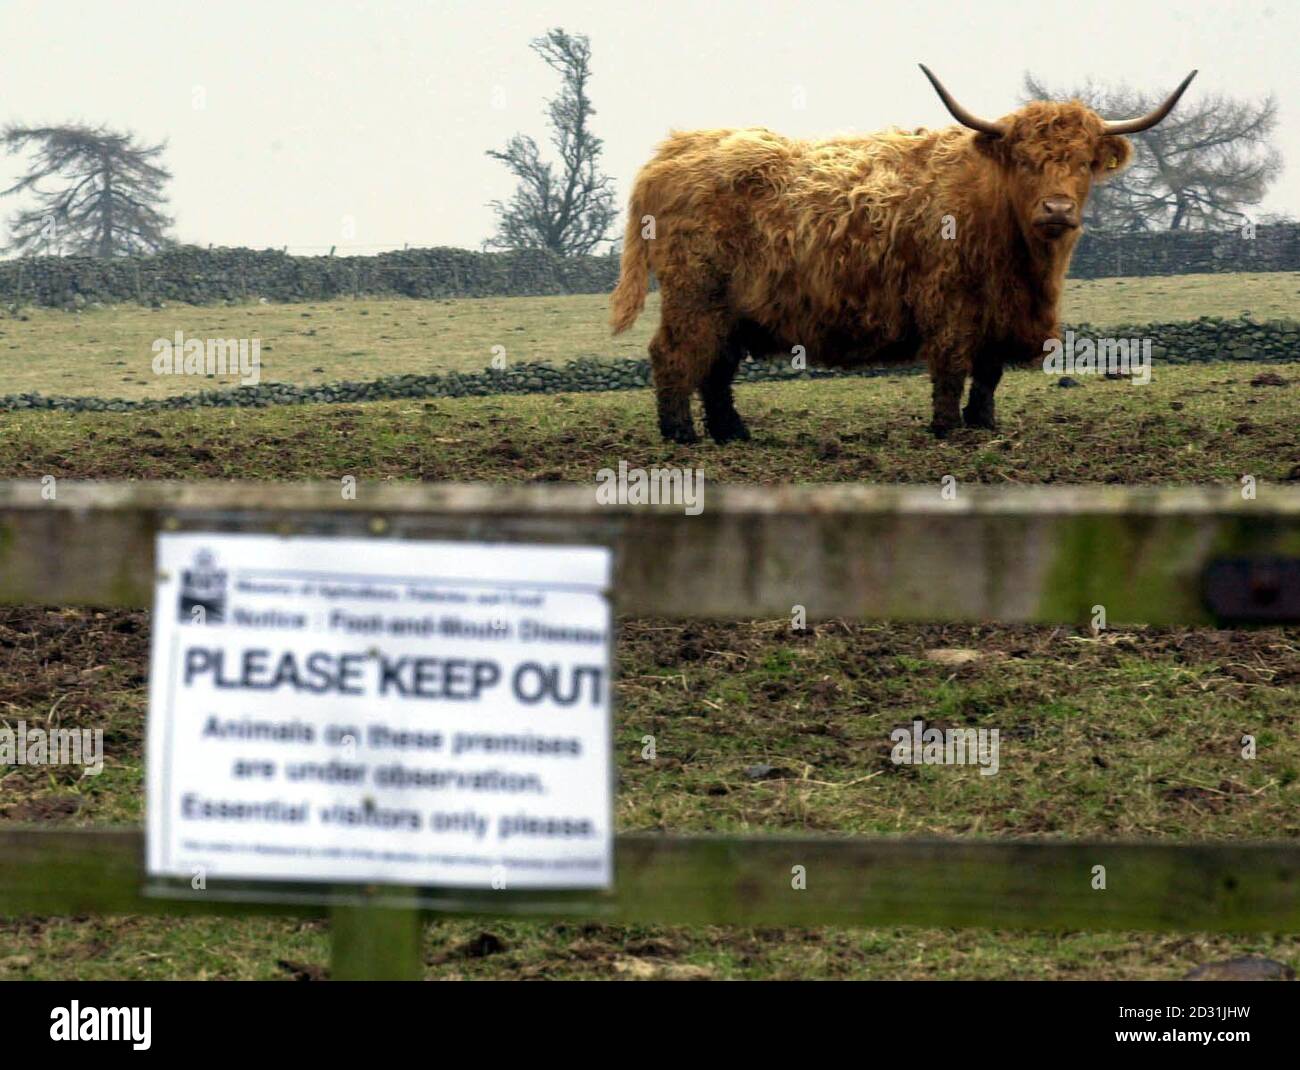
(942, 430)
(983, 420)
(735, 431)
(685, 436)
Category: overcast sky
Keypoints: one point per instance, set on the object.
(286, 118)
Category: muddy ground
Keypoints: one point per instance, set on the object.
(758, 729)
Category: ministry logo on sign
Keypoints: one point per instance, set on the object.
(203, 591)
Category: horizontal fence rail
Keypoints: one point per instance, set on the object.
(1046, 554)
(721, 880)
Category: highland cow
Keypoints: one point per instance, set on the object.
(946, 246)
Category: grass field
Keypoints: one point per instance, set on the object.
(1190, 424)
(1131, 734)
(108, 352)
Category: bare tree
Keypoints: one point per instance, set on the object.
(109, 198)
(1198, 170)
(568, 212)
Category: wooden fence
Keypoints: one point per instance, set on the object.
(1161, 556)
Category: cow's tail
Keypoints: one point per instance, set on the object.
(628, 298)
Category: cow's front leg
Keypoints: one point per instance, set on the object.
(985, 376)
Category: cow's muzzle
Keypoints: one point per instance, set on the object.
(1056, 216)
(1051, 229)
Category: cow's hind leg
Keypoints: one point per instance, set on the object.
(721, 419)
(673, 383)
(985, 376)
(688, 343)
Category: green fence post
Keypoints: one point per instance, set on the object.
(375, 943)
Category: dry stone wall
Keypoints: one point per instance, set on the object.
(203, 276)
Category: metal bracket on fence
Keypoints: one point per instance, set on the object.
(1253, 590)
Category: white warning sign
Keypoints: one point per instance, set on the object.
(357, 710)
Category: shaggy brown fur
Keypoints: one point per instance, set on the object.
(761, 244)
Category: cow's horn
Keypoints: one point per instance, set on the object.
(1136, 126)
(961, 114)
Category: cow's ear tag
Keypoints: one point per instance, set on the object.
(1112, 163)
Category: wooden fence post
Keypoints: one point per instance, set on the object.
(375, 943)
